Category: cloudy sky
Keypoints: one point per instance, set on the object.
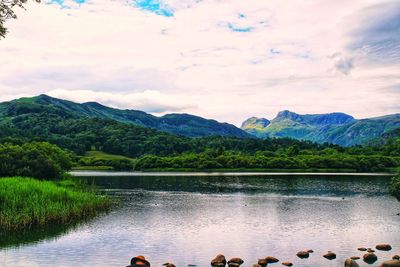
(221, 59)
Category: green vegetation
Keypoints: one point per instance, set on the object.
(97, 160)
(395, 186)
(36, 159)
(28, 203)
(321, 160)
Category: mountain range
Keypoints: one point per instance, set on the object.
(336, 128)
(179, 124)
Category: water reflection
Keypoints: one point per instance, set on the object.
(283, 184)
(188, 220)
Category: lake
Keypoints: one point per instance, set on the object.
(190, 218)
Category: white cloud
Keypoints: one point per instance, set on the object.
(114, 53)
(149, 101)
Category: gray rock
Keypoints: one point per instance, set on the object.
(350, 263)
(219, 261)
(370, 258)
(330, 255)
(271, 259)
(235, 262)
(391, 263)
(303, 254)
(262, 262)
(384, 247)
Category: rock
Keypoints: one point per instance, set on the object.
(355, 258)
(168, 264)
(256, 265)
(384, 247)
(303, 254)
(362, 249)
(140, 260)
(396, 257)
(262, 262)
(271, 259)
(287, 263)
(350, 263)
(391, 263)
(310, 251)
(219, 261)
(370, 258)
(235, 262)
(330, 255)
(370, 250)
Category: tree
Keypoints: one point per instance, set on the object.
(7, 12)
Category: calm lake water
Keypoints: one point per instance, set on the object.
(188, 219)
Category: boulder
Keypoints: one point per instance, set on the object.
(384, 247)
(219, 261)
(235, 262)
(355, 258)
(168, 264)
(310, 251)
(370, 258)
(391, 263)
(271, 259)
(330, 255)
(362, 249)
(396, 257)
(350, 263)
(303, 254)
(287, 263)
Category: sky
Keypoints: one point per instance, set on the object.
(222, 59)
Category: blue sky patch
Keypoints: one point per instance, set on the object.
(62, 3)
(154, 6)
(239, 29)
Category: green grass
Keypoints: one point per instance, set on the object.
(28, 203)
(105, 156)
(92, 168)
(101, 161)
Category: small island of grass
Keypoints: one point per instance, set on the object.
(27, 203)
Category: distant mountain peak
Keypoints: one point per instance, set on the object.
(260, 122)
(287, 114)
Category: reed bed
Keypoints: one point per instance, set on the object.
(27, 203)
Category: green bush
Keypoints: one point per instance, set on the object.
(36, 159)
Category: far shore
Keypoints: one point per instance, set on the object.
(81, 173)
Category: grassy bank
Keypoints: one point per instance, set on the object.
(28, 203)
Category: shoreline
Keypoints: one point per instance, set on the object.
(85, 173)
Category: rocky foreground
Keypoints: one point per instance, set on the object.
(369, 257)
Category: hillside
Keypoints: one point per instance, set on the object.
(335, 128)
(180, 124)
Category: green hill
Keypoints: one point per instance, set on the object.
(180, 124)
